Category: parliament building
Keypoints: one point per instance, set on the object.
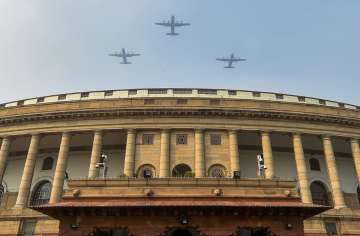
(179, 161)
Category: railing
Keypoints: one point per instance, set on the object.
(180, 93)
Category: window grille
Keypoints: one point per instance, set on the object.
(319, 193)
(215, 139)
(180, 170)
(322, 102)
(2, 192)
(20, 103)
(217, 171)
(181, 139)
(330, 228)
(148, 139)
(41, 194)
(27, 228)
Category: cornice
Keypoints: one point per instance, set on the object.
(176, 113)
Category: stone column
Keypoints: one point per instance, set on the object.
(4, 153)
(27, 176)
(129, 164)
(199, 153)
(356, 155)
(164, 153)
(301, 169)
(95, 154)
(60, 169)
(267, 153)
(333, 173)
(234, 151)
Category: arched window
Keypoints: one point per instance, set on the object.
(2, 192)
(319, 193)
(217, 171)
(358, 193)
(146, 169)
(181, 170)
(47, 163)
(314, 164)
(41, 194)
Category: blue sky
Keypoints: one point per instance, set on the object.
(308, 47)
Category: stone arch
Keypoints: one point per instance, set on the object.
(217, 171)
(180, 170)
(142, 168)
(320, 193)
(41, 193)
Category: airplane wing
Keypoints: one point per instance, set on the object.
(238, 59)
(168, 24)
(132, 54)
(115, 54)
(178, 24)
(223, 59)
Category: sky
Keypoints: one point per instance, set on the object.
(308, 47)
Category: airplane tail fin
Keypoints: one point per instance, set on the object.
(172, 34)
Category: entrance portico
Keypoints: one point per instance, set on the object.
(181, 206)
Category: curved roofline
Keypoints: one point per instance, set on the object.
(324, 102)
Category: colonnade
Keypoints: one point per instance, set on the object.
(164, 155)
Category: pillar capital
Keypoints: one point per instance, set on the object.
(326, 136)
(199, 130)
(98, 131)
(131, 131)
(165, 130)
(265, 132)
(233, 131)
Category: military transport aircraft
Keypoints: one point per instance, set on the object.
(230, 60)
(124, 56)
(172, 23)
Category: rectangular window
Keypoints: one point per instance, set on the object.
(157, 91)
(182, 91)
(84, 95)
(42, 99)
(279, 96)
(301, 99)
(181, 101)
(149, 101)
(27, 228)
(207, 91)
(322, 102)
(20, 103)
(341, 105)
(331, 228)
(256, 94)
(148, 139)
(215, 139)
(108, 93)
(62, 97)
(132, 92)
(181, 139)
(232, 92)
